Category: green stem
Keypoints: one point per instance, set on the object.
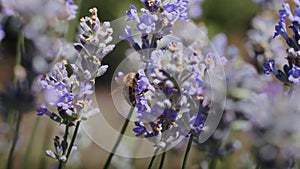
(14, 142)
(20, 48)
(62, 164)
(11, 120)
(107, 163)
(187, 151)
(162, 160)
(153, 158)
(65, 146)
(152, 41)
(11, 116)
(65, 141)
(73, 140)
(212, 164)
(29, 147)
(20, 51)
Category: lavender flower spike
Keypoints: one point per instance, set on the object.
(94, 39)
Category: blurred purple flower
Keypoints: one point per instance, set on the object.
(269, 4)
(219, 42)
(2, 33)
(194, 8)
(18, 97)
(71, 9)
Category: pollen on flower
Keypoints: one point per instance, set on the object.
(94, 18)
(151, 2)
(80, 103)
(158, 127)
(200, 98)
(64, 62)
(209, 61)
(197, 52)
(173, 47)
(94, 11)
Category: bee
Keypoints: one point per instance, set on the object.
(172, 93)
(130, 81)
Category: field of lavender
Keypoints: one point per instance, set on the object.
(190, 84)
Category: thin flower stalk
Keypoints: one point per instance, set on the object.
(10, 160)
(187, 152)
(116, 145)
(31, 143)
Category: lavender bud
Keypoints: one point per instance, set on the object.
(51, 154)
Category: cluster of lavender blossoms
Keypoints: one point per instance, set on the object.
(169, 88)
(260, 44)
(179, 74)
(156, 20)
(69, 87)
(290, 73)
